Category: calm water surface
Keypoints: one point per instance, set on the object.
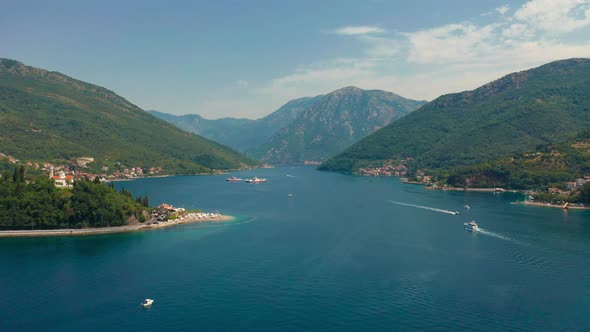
(340, 255)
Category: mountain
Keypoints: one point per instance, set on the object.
(47, 116)
(240, 134)
(513, 114)
(332, 123)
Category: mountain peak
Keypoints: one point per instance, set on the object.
(9, 63)
(346, 90)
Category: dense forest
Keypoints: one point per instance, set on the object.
(550, 165)
(33, 202)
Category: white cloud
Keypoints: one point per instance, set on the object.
(555, 16)
(426, 63)
(503, 9)
(451, 43)
(358, 30)
(242, 83)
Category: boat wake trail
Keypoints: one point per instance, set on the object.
(498, 236)
(424, 207)
(289, 175)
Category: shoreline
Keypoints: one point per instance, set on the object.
(110, 230)
(478, 190)
(554, 206)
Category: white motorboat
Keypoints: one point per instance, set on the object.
(467, 207)
(147, 303)
(256, 180)
(471, 226)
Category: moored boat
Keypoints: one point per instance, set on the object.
(471, 226)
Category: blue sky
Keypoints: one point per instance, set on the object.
(247, 58)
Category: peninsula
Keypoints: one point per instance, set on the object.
(58, 205)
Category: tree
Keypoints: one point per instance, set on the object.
(585, 193)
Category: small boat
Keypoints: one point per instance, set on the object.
(290, 195)
(467, 207)
(256, 180)
(147, 303)
(471, 226)
(456, 212)
(233, 179)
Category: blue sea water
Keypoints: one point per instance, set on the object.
(341, 255)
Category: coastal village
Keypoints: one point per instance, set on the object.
(78, 168)
(402, 170)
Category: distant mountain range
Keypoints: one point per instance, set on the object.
(240, 134)
(332, 123)
(47, 116)
(312, 128)
(513, 114)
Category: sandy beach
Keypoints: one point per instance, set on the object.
(190, 218)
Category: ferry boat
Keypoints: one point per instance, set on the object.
(147, 303)
(471, 226)
(233, 179)
(256, 180)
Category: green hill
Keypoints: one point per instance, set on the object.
(514, 114)
(240, 134)
(333, 122)
(550, 165)
(47, 116)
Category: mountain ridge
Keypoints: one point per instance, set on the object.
(46, 115)
(240, 134)
(511, 114)
(332, 123)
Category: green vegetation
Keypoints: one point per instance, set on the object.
(512, 115)
(332, 123)
(35, 203)
(548, 166)
(47, 116)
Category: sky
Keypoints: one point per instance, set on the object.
(247, 58)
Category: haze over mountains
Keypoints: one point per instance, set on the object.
(45, 116)
(306, 128)
(240, 134)
(515, 113)
(334, 122)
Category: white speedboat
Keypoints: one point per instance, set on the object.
(256, 180)
(147, 303)
(471, 226)
(456, 212)
(467, 207)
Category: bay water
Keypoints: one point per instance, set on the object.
(344, 253)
